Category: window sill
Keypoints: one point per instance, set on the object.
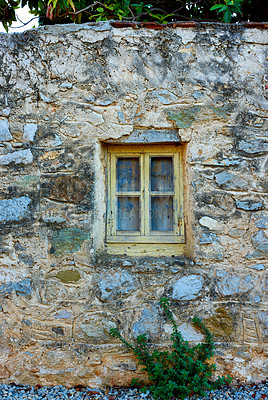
(148, 240)
(146, 249)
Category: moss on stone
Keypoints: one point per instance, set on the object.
(68, 240)
(220, 324)
(184, 118)
(69, 275)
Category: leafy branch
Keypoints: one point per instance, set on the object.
(228, 9)
(180, 372)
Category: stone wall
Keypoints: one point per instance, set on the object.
(65, 91)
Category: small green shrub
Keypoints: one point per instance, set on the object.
(179, 373)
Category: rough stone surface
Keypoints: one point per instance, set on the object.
(211, 223)
(230, 181)
(189, 333)
(260, 242)
(254, 147)
(258, 267)
(68, 240)
(187, 287)
(67, 92)
(21, 288)
(249, 205)
(111, 286)
(14, 209)
(148, 323)
(66, 188)
(17, 157)
(220, 324)
(229, 285)
(5, 135)
(262, 221)
(29, 132)
(68, 276)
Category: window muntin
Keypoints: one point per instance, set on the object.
(145, 194)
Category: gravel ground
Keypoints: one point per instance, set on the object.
(19, 392)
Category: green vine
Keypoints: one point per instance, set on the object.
(181, 372)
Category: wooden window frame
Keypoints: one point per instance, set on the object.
(144, 236)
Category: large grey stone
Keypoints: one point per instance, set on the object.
(5, 135)
(230, 181)
(254, 147)
(260, 242)
(187, 287)
(249, 205)
(113, 285)
(14, 209)
(148, 324)
(18, 157)
(22, 288)
(148, 136)
(93, 327)
(233, 284)
(262, 221)
(29, 132)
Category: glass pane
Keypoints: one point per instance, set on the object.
(161, 174)
(128, 174)
(162, 213)
(128, 215)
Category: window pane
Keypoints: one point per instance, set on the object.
(162, 213)
(128, 215)
(161, 174)
(128, 174)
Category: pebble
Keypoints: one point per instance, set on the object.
(21, 392)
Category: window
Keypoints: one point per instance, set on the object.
(145, 194)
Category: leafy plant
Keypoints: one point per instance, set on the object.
(229, 8)
(162, 11)
(179, 373)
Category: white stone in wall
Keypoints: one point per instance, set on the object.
(4, 131)
(18, 157)
(14, 209)
(187, 287)
(29, 132)
(189, 333)
(211, 224)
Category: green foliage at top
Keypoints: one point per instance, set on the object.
(228, 9)
(179, 373)
(162, 11)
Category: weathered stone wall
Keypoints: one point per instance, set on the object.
(65, 90)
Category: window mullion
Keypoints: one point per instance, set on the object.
(113, 205)
(176, 201)
(180, 194)
(142, 200)
(146, 196)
